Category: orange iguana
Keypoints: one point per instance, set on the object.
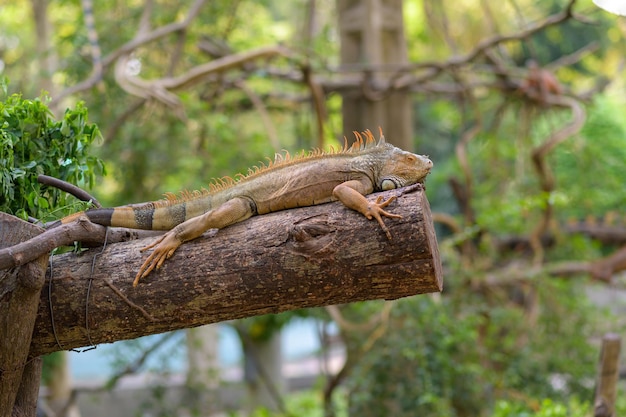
(307, 179)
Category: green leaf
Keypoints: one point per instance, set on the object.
(32, 143)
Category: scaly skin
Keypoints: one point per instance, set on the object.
(346, 175)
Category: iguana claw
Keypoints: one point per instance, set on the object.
(165, 247)
(375, 210)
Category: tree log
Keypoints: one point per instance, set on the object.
(306, 257)
(20, 290)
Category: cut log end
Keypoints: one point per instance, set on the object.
(431, 238)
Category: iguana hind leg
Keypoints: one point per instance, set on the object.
(231, 212)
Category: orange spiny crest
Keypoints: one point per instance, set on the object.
(185, 195)
(280, 158)
(345, 145)
(381, 136)
(285, 158)
(361, 143)
(190, 195)
(226, 181)
(364, 141)
(369, 136)
(358, 143)
(219, 184)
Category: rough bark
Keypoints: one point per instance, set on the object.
(308, 257)
(28, 393)
(608, 374)
(372, 35)
(20, 290)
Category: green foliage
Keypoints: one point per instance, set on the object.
(261, 328)
(300, 404)
(548, 408)
(460, 355)
(33, 143)
(409, 371)
(590, 166)
(552, 356)
(51, 363)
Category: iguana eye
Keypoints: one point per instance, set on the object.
(388, 185)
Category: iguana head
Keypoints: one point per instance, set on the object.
(395, 168)
(402, 168)
(392, 167)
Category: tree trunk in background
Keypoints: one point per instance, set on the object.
(47, 59)
(60, 388)
(372, 36)
(263, 372)
(203, 372)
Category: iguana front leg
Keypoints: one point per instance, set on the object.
(352, 195)
(231, 212)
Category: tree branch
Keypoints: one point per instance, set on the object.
(272, 134)
(546, 178)
(129, 47)
(307, 257)
(77, 192)
(161, 89)
(82, 230)
(604, 269)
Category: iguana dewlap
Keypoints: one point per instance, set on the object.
(318, 177)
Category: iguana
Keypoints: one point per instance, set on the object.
(316, 177)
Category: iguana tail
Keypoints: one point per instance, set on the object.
(157, 215)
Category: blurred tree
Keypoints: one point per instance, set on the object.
(372, 38)
(203, 369)
(517, 166)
